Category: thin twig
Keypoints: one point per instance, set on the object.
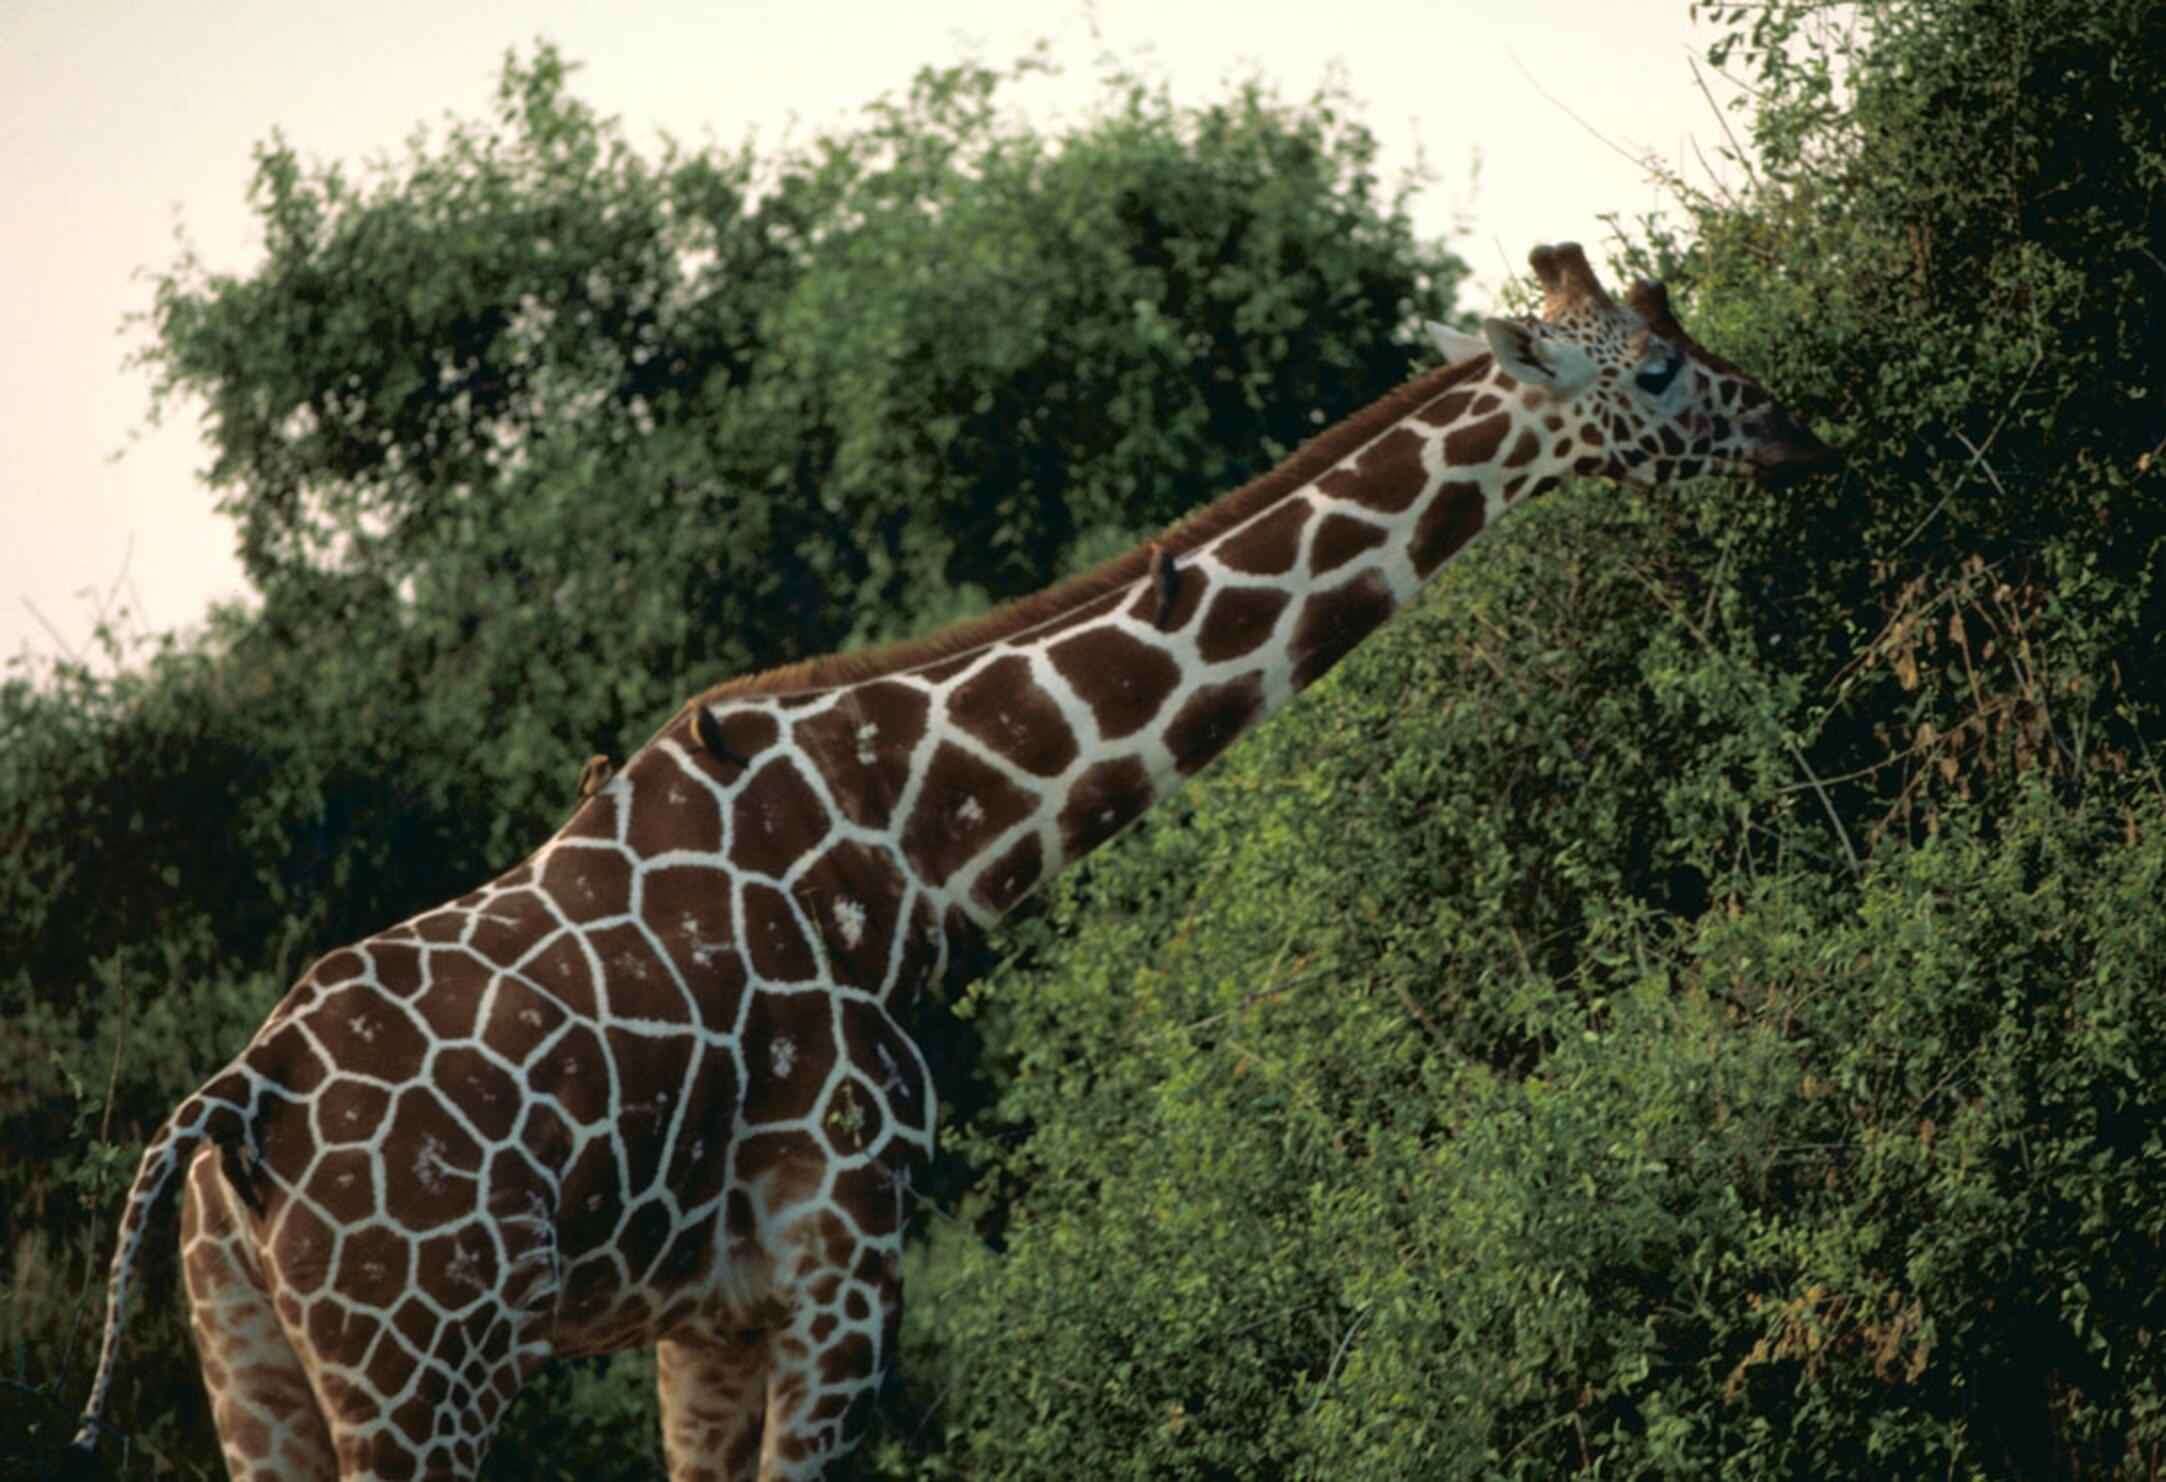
(112, 1079)
(1977, 459)
(1737, 151)
(1842, 835)
(1421, 1014)
(127, 558)
(1558, 104)
(1361, 1315)
(1797, 753)
(1728, 200)
(46, 623)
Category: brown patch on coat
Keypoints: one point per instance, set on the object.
(349, 1111)
(342, 1184)
(1452, 519)
(882, 722)
(1210, 719)
(852, 894)
(397, 966)
(773, 939)
(789, 1047)
(1002, 706)
(775, 817)
(1339, 539)
(1009, 878)
(481, 1088)
(1169, 611)
(507, 928)
(640, 985)
(1104, 800)
(430, 1162)
(1122, 678)
(963, 805)
(358, 1025)
(688, 909)
(520, 1020)
(1388, 477)
(567, 1075)
(1269, 546)
(564, 973)
(866, 1194)
(1240, 621)
(919, 958)
(665, 809)
(587, 884)
(1475, 443)
(874, 1043)
(699, 1159)
(1332, 622)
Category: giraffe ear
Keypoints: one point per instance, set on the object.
(1451, 344)
(1557, 366)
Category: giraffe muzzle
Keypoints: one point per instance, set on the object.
(1785, 450)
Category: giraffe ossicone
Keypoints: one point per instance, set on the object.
(653, 1086)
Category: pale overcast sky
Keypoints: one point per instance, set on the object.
(121, 123)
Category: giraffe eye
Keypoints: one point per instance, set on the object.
(1656, 378)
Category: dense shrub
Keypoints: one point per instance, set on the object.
(1388, 1113)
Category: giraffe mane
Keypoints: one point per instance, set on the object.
(1312, 459)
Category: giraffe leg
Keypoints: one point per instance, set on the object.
(269, 1424)
(714, 1396)
(367, 1353)
(414, 1398)
(829, 1359)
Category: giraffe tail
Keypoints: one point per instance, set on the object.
(203, 1117)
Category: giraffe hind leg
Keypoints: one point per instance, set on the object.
(392, 1358)
(269, 1423)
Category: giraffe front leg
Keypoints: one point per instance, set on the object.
(714, 1400)
(827, 1362)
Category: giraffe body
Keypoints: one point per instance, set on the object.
(653, 1086)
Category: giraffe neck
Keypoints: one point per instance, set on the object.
(988, 758)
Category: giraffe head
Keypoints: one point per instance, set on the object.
(1645, 402)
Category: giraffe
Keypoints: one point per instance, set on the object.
(653, 1086)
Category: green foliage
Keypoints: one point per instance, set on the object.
(1473, 1122)
(1954, 254)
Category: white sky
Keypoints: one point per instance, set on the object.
(121, 122)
